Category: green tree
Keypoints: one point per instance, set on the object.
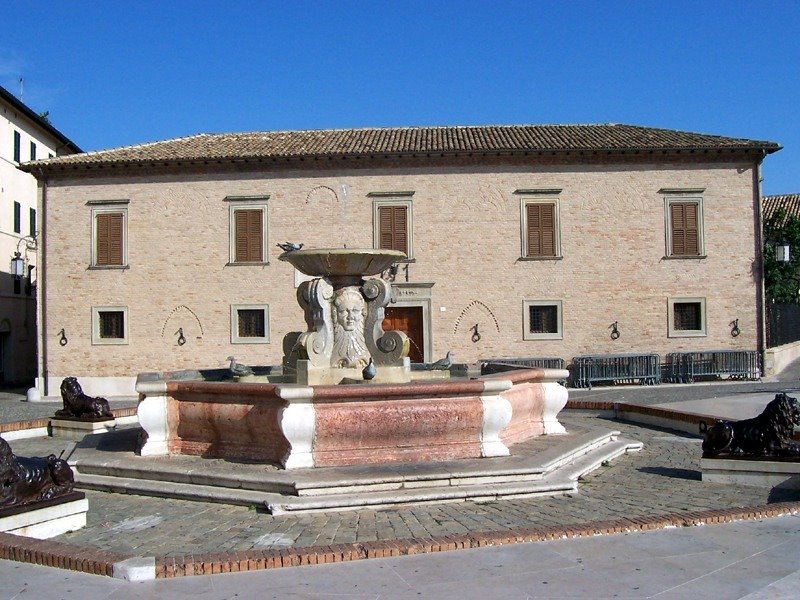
(782, 279)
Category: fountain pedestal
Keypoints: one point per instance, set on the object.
(344, 313)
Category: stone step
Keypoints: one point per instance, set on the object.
(327, 481)
(559, 480)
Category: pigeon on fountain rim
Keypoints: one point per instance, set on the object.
(237, 369)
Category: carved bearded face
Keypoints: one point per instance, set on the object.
(349, 310)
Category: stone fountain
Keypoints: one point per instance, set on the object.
(344, 313)
(321, 412)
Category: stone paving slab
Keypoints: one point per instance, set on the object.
(663, 478)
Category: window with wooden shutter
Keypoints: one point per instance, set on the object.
(393, 228)
(109, 242)
(541, 229)
(685, 229)
(249, 235)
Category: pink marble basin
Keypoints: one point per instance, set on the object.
(342, 262)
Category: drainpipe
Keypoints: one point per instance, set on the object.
(759, 235)
(41, 288)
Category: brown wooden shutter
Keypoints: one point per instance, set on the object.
(249, 235)
(393, 228)
(685, 229)
(541, 229)
(109, 239)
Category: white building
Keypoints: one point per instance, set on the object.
(24, 136)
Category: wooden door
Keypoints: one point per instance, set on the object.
(407, 319)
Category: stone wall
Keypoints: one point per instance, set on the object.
(466, 241)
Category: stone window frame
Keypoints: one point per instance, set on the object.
(384, 199)
(100, 341)
(235, 338)
(236, 203)
(683, 196)
(672, 332)
(527, 335)
(539, 196)
(100, 207)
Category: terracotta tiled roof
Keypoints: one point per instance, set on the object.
(411, 140)
(790, 203)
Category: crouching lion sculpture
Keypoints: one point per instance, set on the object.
(768, 434)
(78, 405)
(26, 480)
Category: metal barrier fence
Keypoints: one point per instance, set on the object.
(617, 368)
(685, 367)
(498, 365)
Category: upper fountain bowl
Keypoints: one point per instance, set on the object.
(342, 262)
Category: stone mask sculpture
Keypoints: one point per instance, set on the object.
(27, 480)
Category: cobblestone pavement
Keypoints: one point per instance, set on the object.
(13, 406)
(662, 478)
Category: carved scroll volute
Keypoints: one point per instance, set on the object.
(386, 348)
(316, 343)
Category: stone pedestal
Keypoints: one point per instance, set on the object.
(761, 473)
(46, 519)
(75, 429)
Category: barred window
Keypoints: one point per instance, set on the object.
(109, 325)
(543, 320)
(251, 323)
(687, 317)
(112, 324)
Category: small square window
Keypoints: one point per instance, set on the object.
(543, 320)
(687, 317)
(250, 324)
(109, 325)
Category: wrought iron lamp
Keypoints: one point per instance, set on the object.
(18, 260)
(783, 251)
(17, 266)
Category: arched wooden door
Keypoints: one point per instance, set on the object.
(407, 319)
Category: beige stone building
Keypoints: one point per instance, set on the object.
(522, 241)
(24, 136)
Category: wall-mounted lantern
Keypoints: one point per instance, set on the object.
(783, 252)
(18, 266)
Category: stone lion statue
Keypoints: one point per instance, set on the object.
(768, 434)
(25, 480)
(78, 405)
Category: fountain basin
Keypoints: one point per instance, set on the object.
(342, 262)
(301, 426)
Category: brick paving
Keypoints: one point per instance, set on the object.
(663, 478)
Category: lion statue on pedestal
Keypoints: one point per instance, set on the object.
(25, 480)
(768, 434)
(78, 405)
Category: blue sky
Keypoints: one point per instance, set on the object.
(116, 73)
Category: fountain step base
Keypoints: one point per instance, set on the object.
(545, 466)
